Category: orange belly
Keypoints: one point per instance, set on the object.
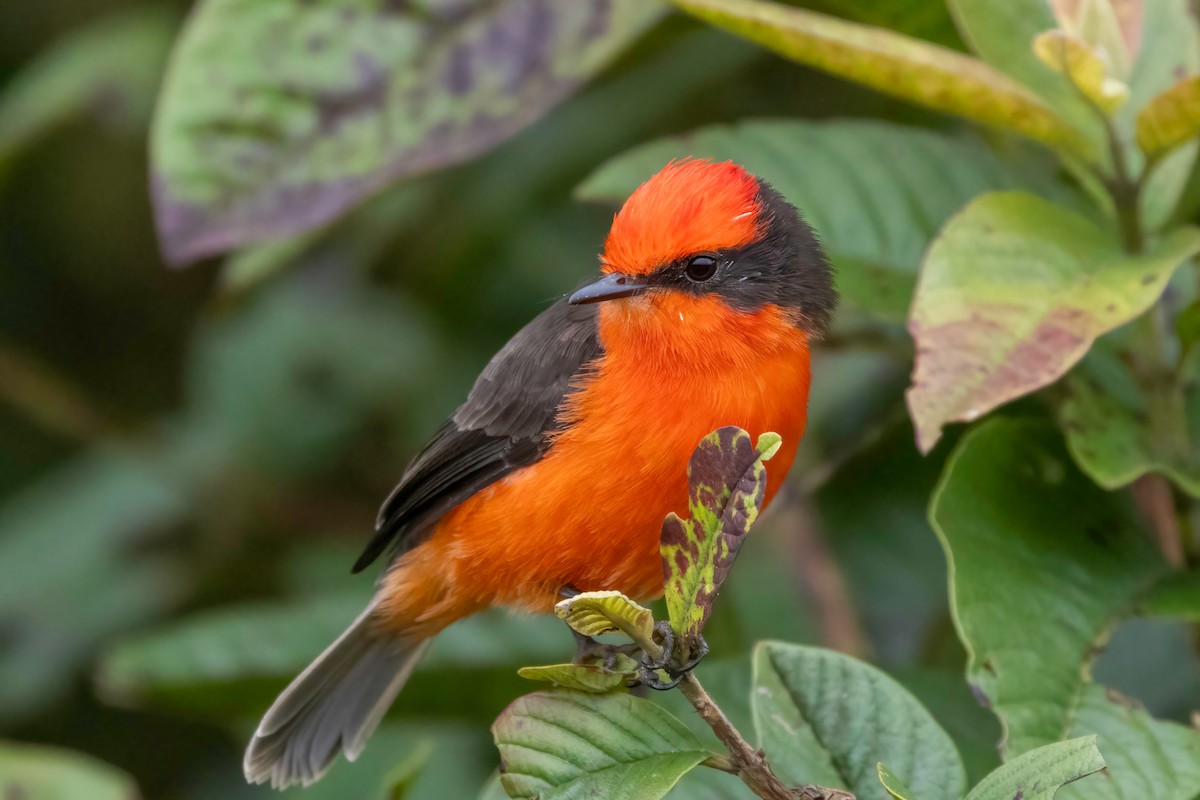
(589, 513)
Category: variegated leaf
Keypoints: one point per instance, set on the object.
(728, 481)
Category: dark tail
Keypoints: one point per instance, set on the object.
(335, 704)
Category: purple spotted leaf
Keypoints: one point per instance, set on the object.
(277, 116)
(727, 482)
(1012, 294)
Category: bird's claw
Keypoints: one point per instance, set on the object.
(668, 662)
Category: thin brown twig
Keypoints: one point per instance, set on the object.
(744, 761)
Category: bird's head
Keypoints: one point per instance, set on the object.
(713, 244)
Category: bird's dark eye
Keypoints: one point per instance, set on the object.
(701, 268)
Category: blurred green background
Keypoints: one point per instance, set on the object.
(191, 459)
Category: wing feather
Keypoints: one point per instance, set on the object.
(505, 424)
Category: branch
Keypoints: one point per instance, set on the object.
(748, 764)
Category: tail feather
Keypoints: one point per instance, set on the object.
(334, 705)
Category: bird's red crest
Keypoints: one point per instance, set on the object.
(689, 207)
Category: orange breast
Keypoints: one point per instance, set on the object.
(589, 514)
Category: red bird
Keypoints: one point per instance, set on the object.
(574, 442)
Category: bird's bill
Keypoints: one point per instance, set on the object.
(610, 287)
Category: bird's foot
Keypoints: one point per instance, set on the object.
(670, 662)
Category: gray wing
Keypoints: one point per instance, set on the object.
(504, 425)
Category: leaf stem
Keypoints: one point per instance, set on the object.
(1154, 494)
(748, 764)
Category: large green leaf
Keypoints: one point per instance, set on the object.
(28, 772)
(279, 115)
(828, 719)
(1012, 294)
(726, 483)
(1042, 564)
(109, 69)
(1119, 428)
(917, 71)
(1025, 535)
(564, 745)
(1040, 773)
(875, 192)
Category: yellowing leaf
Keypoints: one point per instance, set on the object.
(595, 613)
(1083, 66)
(727, 481)
(1012, 294)
(1170, 119)
(911, 69)
(583, 677)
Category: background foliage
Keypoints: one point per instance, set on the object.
(379, 194)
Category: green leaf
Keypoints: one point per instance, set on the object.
(726, 480)
(1131, 739)
(1119, 429)
(597, 613)
(251, 143)
(583, 677)
(875, 231)
(1170, 119)
(109, 70)
(1012, 294)
(894, 786)
(1042, 564)
(917, 71)
(562, 745)
(1040, 773)
(829, 719)
(31, 772)
(1026, 533)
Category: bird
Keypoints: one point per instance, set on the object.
(572, 446)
